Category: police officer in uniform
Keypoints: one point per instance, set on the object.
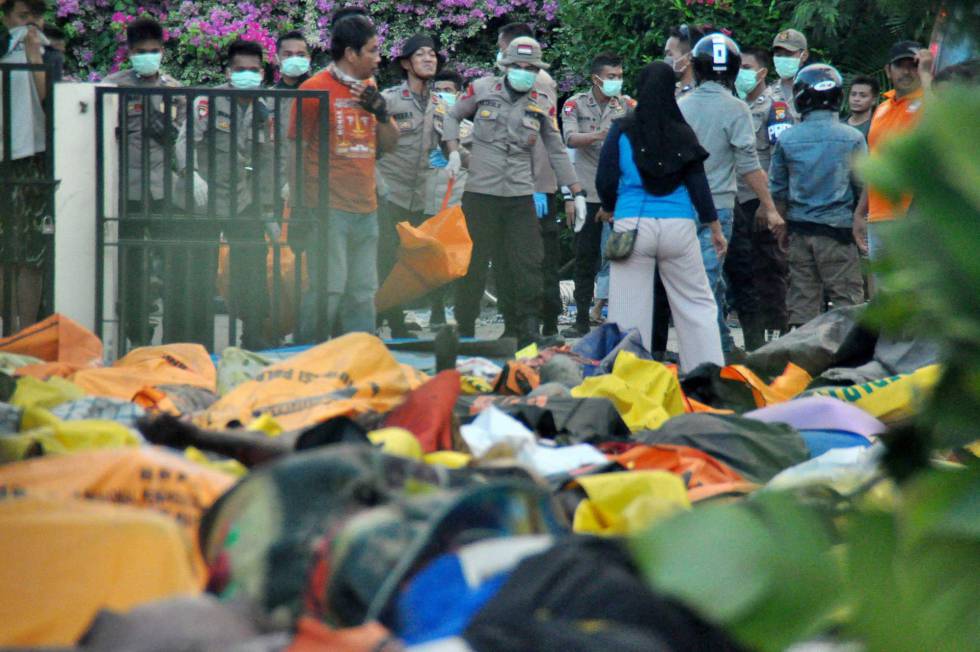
(545, 204)
(509, 118)
(156, 132)
(756, 265)
(789, 54)
(586, 118)
(232, 183)
(406, 169)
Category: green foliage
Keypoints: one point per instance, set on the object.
(766, 570)
(762, 569)
(932, 270)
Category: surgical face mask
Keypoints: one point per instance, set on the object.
(146, 64)
(521, 80)
(295, 66)
(500, 57)
(246, 79)
(447, 97)
(745, 82)
(612, 87)
(786, 67)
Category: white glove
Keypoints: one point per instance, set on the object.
(580, 211)
(284, 194)
(200, 190)
(455, 164)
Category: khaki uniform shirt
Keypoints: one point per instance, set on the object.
(437, 183)
(234, 158)
(544, 175)
(778, 94)
(759, 109)
(406, 169)
(584, 114)
(506, 127)
(160, 128)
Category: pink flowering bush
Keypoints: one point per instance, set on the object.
(197, 33)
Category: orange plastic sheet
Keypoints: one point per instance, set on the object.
(147, 477)
(696, 467)
(151, 366)
(66, 559)
(64, 345)
(346, 376)
(789, 384)
(430, 256)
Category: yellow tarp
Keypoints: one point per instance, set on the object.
(645, 392)
(629, 501)
(42, 433)
(889, 399)
(349, 375)
(50, 393)
(66, 559)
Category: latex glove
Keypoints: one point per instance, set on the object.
(541, 204)
(580, 212)
(200, 190)
(454, 165)
(437, 159)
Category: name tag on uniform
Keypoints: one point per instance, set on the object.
(224, 124)
(486, 113)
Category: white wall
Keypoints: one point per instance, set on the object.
(75, 234)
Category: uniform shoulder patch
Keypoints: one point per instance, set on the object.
(630, 102)
(406, 93)
(569, 107)
(202, 108)
(469, 91)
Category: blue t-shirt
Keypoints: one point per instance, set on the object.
(634, 201)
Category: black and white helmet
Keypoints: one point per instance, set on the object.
(818, 87)
(716, 58)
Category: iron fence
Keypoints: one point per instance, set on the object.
(194, 247)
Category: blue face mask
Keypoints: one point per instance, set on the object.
(295, 66)
(500, 56)
(786, 67)
(521, 80)
(745, 82)
(246, 79)
(147, 64)
(447, 97)
(612, 87)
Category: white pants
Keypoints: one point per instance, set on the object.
(673, 245)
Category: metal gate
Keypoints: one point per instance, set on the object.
(27, 186)
(178, 264)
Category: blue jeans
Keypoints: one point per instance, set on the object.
(713, 266)
(352, 275)
(602, 278)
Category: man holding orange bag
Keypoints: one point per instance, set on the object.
(406, 169)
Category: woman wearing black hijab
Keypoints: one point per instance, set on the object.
(651, 179)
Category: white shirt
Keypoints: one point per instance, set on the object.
(27, 115)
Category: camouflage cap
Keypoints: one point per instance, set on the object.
(524, 49)
(790, 39)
